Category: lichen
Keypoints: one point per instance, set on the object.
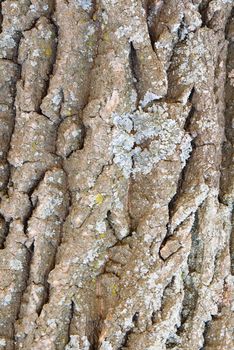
(84, 4)
(101, 227)
(16, 264)
(99, 198)
(149, 97)
(156, 128)
(185, 148)
(47, 51)
(2, 342)
(106, 346)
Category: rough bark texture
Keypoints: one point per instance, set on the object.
(116, 174)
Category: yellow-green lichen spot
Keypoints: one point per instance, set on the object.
(106, 37)
(34, 146)
(114, 290)
(47, 50)
(99, 198)
(68, 113)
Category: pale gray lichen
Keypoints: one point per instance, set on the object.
(159, 133)
(149, 97)
(74, 343)
(48, 208)
(131, 33)
(6, 300)
(16, 264)
(185, 148)
(6, 42)
(84, 4)
(106, 346)
(2, 342)
(101, 226)
(123, 142)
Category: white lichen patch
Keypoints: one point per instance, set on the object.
(128, 27)
(142, 139)
(86, 343)
(6, 300)
(123, 232)
(185, 149)
(6, 42)
(127, 31)
(106, 346)
(149, 97)
(74, 343)
(45, 7)
(51, 323)
(84, 4)
(16, 264)
(49, 207)
(90, 256)
(123, 142)
(57, 98)
(33, 8)
(50, 233)
(2, 342)
(101, 226)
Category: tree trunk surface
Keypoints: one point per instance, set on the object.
(116, 174)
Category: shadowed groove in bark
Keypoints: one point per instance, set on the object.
(206, 329)
(152, 9)
(203, 7)
(14, 116)
(190, 292)
(125, 342)
(110, 222)
(134, 66)
(94, 328)
(4, 230)
(30, 252)
(72, 310)
(182, 176)
(190, 116)
(181, 30)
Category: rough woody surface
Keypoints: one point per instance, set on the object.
(116, 174)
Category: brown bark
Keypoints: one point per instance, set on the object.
(116, 174)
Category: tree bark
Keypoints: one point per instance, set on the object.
(116, 174)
